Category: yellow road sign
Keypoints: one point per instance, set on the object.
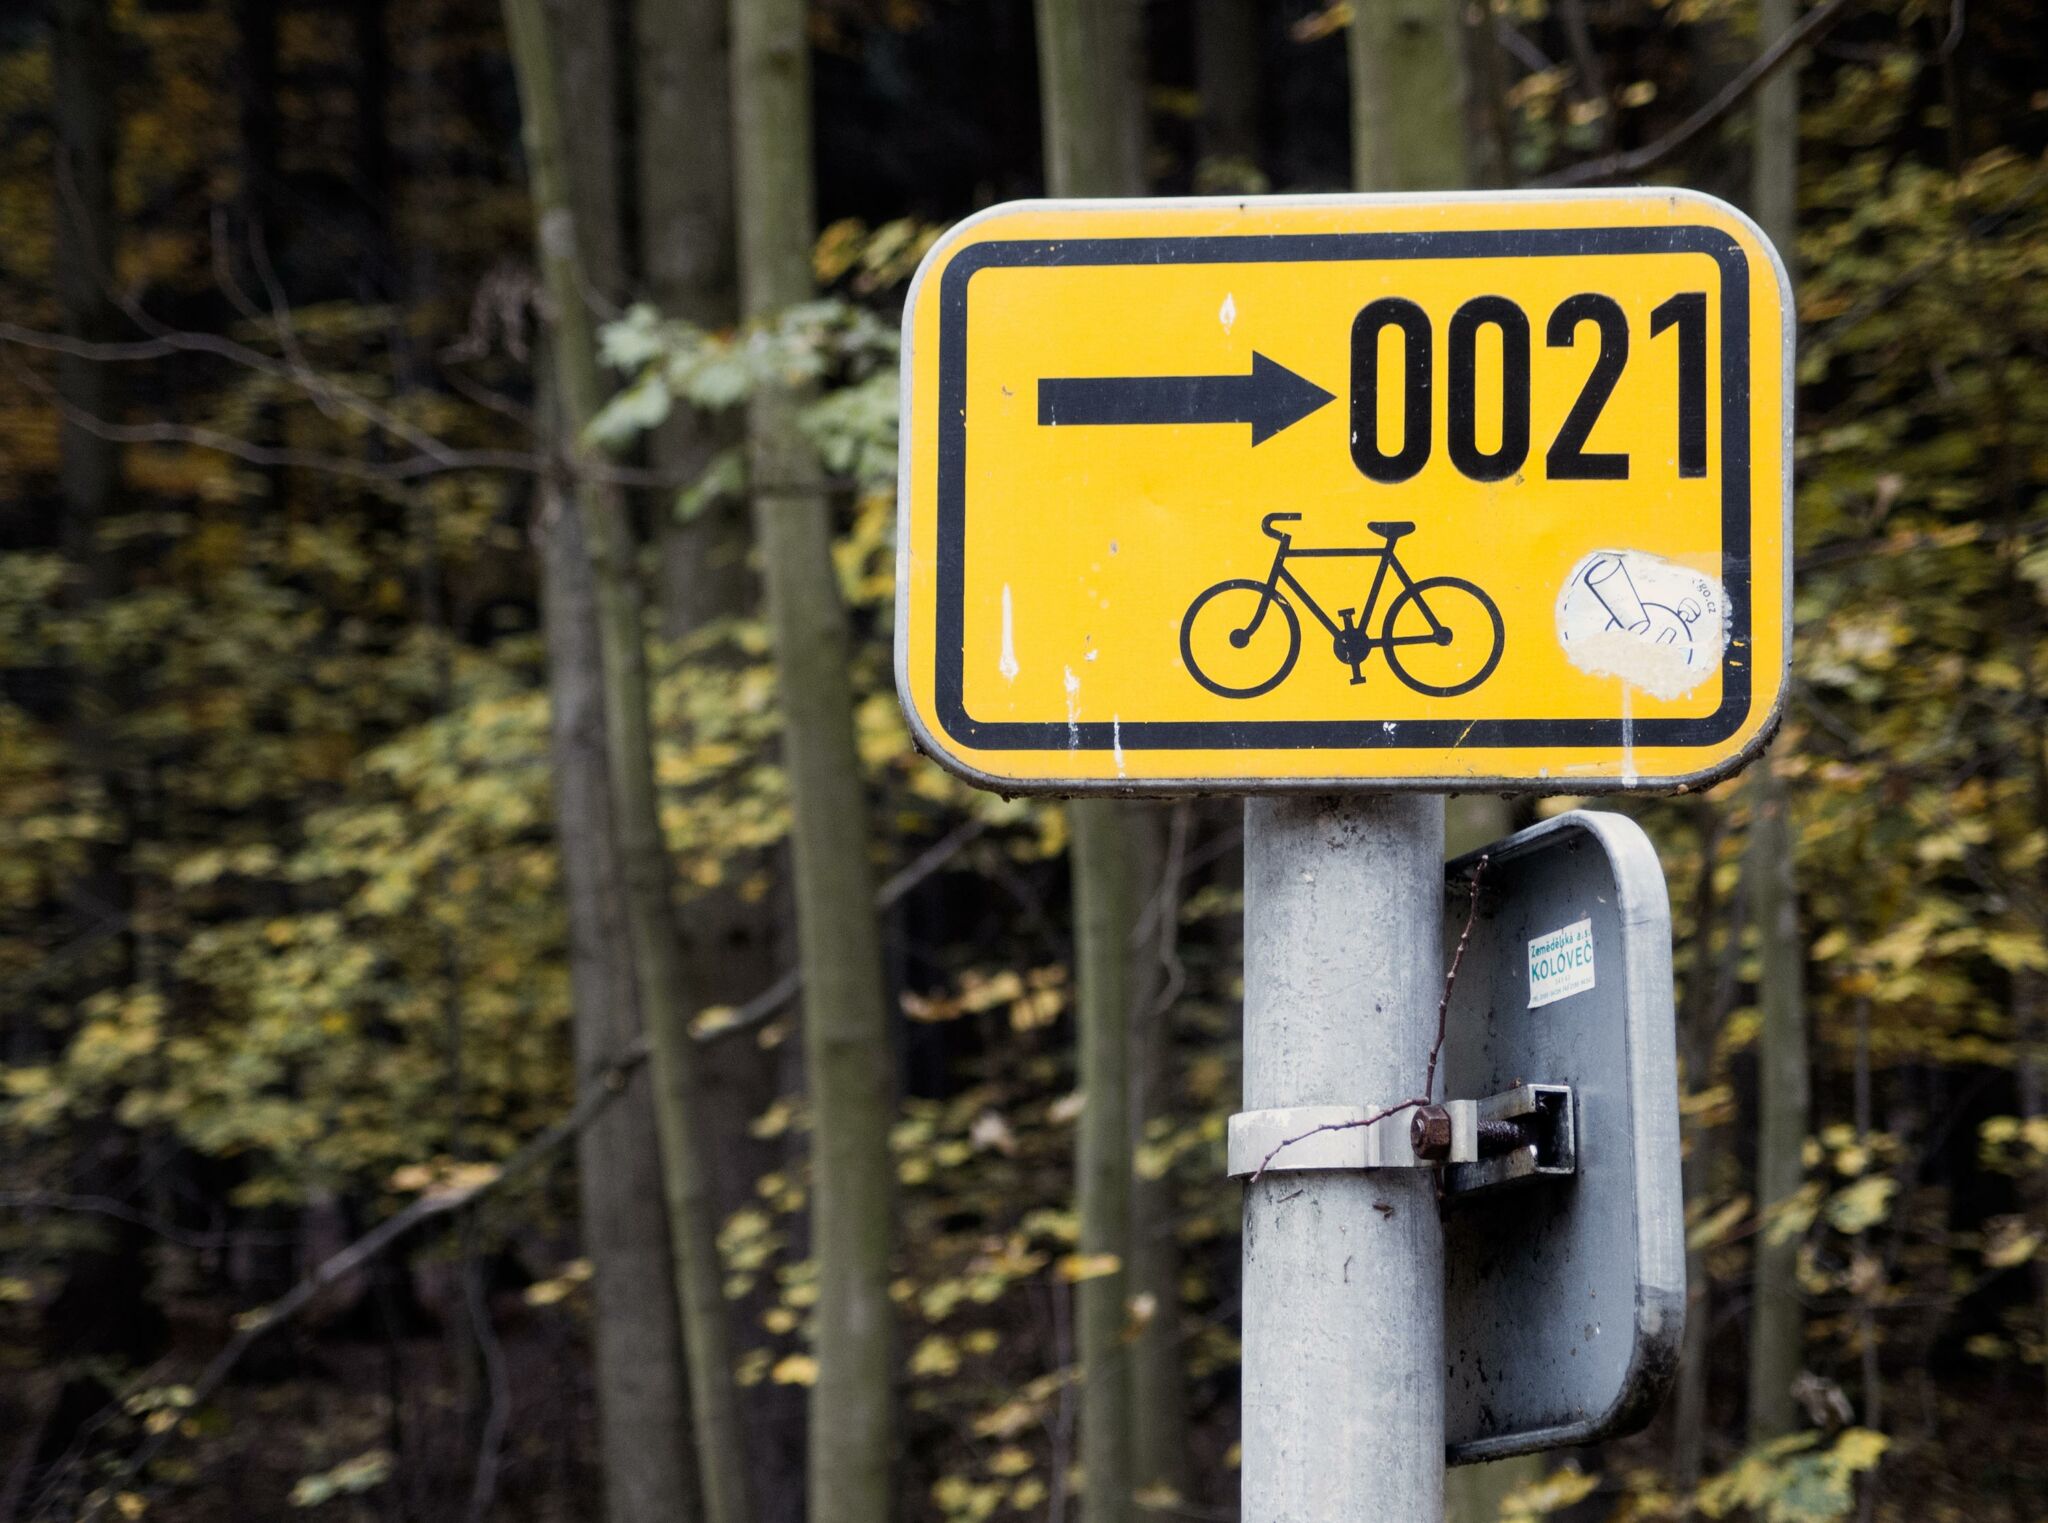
(1472, 492)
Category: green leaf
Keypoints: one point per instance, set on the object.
(642, 406)
(724, 480)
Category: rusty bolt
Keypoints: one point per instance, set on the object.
(1429, 1134)
(1498, 1137)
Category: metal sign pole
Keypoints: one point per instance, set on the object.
(1343, 1362)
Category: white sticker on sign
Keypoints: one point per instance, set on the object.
(1561, 964)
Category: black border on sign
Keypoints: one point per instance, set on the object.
(1352, 734)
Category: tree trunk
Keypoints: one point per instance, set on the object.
(1227, 80)
(1408, 96)
(641, 1374)
(1774, 161)
(1158, 1385)
(643, 859)
(642, 1394)
(847, 1055)
(1777, 1320)
(1091, 94)
(1777, 1323)
(683, 170)
(589, 75)
(1091, 114)
(1699, 1022)
(1103, 899)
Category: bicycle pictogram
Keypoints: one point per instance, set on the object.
(1442, 635)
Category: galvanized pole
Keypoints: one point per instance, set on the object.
(1343, 1271)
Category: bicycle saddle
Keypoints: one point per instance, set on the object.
(1392, 531)
(1266, 524)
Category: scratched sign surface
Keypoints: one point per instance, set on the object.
(1355, 491)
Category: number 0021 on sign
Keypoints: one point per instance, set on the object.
(1457, 492)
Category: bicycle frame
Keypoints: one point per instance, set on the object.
(1387, 558)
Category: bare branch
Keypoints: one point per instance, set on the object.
(791, 983)
(592, 1100)
(1613, 166)
(442, 460)
(121, 1211)
(411, 468)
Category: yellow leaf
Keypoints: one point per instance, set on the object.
(1790, 1217)
(1009, 1460)
(795, 1370)
(1859, 1448)
(711, 1020)
(1076, 1267)
(1317, 25)
(1717, 1227)
(936, 1356)
(1862, 1205)
(2007, 1242)
(1554, 1493)
(772, 1122)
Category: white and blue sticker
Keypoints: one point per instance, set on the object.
(1561, 964)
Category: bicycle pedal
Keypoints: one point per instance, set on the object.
(1357, 676)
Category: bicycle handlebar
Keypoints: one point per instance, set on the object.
(1266, 524)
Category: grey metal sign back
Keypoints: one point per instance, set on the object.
(1564, 1301)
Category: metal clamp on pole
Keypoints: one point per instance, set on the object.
(1520, 1134)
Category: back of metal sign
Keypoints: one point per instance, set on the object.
(1565, 1298)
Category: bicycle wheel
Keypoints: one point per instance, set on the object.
(1454, 654)
(1240, 662)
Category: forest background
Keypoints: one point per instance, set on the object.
(496, 1021)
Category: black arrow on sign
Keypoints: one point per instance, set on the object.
(1271, 398)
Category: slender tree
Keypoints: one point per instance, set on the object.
(1777, 1320)
(1158, 841)
(847, 1056)
(642, 1381)
(683, 188)
(1091, 113)
(681, 179)
(1227, 80)
(1408, 96)
(1708, 986)
(645, 870)
(642, 1392)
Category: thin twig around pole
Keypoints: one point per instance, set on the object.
(1443, 1011)
(1443, 1006)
